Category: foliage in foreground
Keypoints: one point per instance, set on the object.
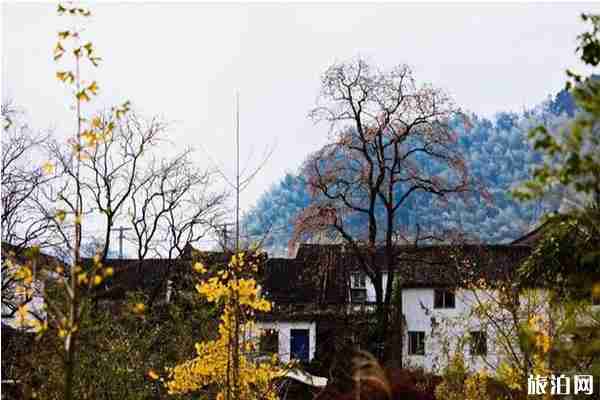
(119, 349)
(227, 367)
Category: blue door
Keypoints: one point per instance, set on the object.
(299, 344)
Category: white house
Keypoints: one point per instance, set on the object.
(440, 320)
(290, 339)
(437, 305)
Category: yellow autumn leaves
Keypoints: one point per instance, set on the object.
(24, 280)
(537, 331)
(224, 285)
(73, 11)
(85, 93)
(63, 36)
(210, 366)
(59, 51)
(65, 76)
(215, 290)
(199, 268)
(25, 319)
(540, 330)
(98, 130)
(24, 274)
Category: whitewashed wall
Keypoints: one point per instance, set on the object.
(444, 329)
(284, 328)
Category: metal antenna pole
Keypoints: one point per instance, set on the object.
(237, 173)
(236, 338)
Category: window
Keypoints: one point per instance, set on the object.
(444, 298)
(358, 295)
(478, 343)
(416, 343)
(269, 341)
(299, 344)
(358, 287)
(358, 280)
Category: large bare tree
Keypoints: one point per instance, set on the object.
(173, 204)
(23, 223)
(388, 136)
(111, 164)
(24, 220)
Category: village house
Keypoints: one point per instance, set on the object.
(321, 296)
(323, 303)
(320, 288)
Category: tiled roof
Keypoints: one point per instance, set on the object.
(284, 282)
(319, 274)
(435, 266)
(294, 281)
(149, 275)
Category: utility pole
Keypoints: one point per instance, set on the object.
(121, 237)
(225, 236)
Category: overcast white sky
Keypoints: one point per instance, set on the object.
(185, 62)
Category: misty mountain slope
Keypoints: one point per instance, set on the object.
(498, 155)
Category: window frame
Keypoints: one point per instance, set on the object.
(444, 296)
(414, 339)
(358, 280)
(478, 343)
(357, 290)
(264, 345)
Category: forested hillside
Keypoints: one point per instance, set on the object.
(498, 155)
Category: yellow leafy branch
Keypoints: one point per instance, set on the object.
(210, 366)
